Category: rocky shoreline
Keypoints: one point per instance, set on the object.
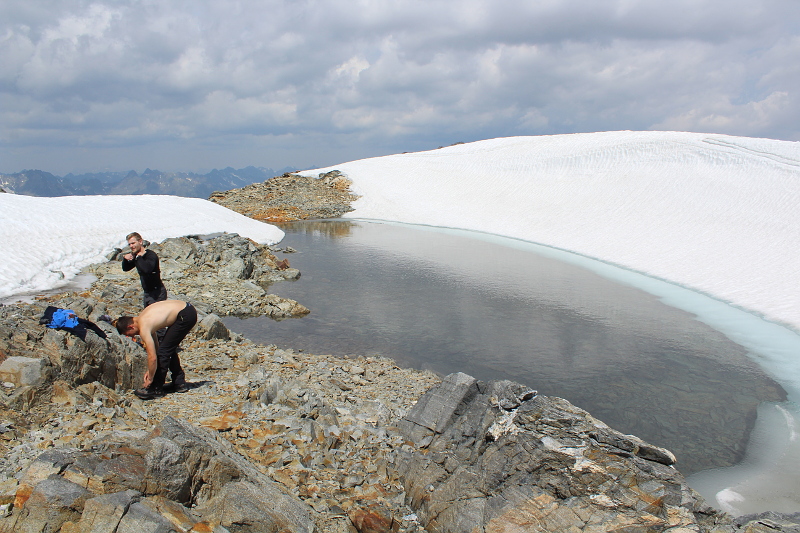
(291, 197)
(313, 423)
(270, 439)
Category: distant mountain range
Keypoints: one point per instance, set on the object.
(40, 183)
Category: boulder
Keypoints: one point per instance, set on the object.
(103, 514)
(114, 361)
(496, 456)
(278, 308)
(211, 327)
(157, 514)
(245, 507)
(22, 371)
(176, 478)
(52, 502)
(181, 249)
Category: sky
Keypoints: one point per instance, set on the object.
(191, 85)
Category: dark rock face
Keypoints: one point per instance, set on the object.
(114, 361)
(497, 456)
(175, 478)
(291, 197)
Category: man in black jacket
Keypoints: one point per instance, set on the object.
(146, 263)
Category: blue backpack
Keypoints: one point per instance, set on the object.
(63, 318)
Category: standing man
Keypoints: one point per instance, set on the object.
(179, 318)
(146, 263)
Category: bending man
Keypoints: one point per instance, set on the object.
(179, 318)
(146, 263)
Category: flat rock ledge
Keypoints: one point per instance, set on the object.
(291, 197)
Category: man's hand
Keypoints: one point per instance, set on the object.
(128, 257)
(147, 379)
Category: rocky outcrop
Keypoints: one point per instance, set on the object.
(227, 276)
(498, 457)
(176, 478)
(317, 425)
(291, 197)
(52, 354)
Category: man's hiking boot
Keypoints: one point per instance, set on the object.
(183, 387)
(149, 393)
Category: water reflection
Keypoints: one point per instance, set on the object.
(451, 303)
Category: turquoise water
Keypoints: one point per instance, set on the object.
(501, 309)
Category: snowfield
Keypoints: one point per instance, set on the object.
(713, 213)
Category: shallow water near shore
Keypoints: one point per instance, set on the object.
(500, 309)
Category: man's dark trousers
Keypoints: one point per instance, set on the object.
(159, 294)
(167, 353)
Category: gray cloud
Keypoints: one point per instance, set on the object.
(189, 85)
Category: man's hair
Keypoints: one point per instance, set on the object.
(135, 234)
(122, 324)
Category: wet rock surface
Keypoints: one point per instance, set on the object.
(291, 197)
(277, 440)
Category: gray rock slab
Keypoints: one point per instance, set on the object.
(144, 518)
(102, 514)
(500, 457)
(435, 410)
(21, 370)
(244, 507)
(167, 473)
(53, 502)
(213, 328)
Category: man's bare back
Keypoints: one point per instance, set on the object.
(158, 315)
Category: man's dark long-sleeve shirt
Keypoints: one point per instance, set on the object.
(149, 271)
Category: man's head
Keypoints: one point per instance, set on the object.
(135, 242)
(126, 326)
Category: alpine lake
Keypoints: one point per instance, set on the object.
(496, 308)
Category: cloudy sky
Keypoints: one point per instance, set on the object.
(198, 84)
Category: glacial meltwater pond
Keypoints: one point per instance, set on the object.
(496, 308)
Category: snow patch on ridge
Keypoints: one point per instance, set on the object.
(714, 213)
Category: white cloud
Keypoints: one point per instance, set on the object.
(401, 76)
(723, 115)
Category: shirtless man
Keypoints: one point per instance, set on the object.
(179, 318)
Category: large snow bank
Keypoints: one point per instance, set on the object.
(714, 213)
